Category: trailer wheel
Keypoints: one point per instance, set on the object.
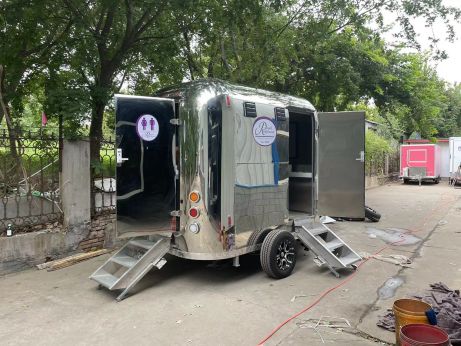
(406, 181)
(258, 237)
(278, 254)
(372, 214)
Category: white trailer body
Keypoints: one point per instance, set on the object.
(455, 153)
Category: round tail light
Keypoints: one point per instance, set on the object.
(194, 212)
(194, 196)
(194, 227)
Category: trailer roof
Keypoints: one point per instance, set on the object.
(424, 141)
(215, 87)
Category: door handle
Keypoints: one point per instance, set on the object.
(362, 157)
(120, 158)
(173, 156)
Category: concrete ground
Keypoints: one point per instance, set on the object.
(195, 303)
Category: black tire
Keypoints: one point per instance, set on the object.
(278, 254)
(406, 181)
(257, 237)
(437, 180)
(372, 214)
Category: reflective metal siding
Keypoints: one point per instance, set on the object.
(216, 238)
(341, 170)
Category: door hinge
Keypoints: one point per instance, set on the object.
(175, 213)
(362, 157)
(175, 122)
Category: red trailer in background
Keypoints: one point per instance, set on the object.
(420, 162)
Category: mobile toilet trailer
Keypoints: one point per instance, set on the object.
(455, 159)
(212, 171)
(420, 162)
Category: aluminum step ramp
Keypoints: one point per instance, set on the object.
(329, 249)
(129, 265)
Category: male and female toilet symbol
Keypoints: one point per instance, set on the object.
(147, 127)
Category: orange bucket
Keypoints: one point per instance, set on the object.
(409, 311)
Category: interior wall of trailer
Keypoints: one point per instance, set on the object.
(301, 163)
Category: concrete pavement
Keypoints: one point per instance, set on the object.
(194, 303)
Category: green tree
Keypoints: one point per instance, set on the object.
(108, 44)
(449, 123)
(30, 32)
(413, 92)
(376, 149)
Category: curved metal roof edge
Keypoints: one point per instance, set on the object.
(224, 87)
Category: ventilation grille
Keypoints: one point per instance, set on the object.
(249, 109)
(280, 114)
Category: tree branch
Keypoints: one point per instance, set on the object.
(108, 22)
(189, 58)
(147, 38)
(224, 58)
(76, 11)
(129, 17)
(46, 46)
(355, 17)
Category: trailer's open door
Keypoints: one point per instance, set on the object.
(455, 154)
(146, 172)
(341, 160)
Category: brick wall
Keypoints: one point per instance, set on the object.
(100, 235)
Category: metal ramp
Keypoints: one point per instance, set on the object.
(129, 265)
(329, 249)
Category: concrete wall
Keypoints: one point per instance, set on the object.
(378, 180)
(75, 183)
(25, 250)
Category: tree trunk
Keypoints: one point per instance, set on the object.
(95, 142)
(11, 130)
(6, 113)
(97, 115)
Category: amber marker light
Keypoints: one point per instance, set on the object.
(194, 196)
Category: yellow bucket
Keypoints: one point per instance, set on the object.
(409, 311)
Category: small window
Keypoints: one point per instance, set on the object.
(249, 109)
(280, 114)
(214, 158)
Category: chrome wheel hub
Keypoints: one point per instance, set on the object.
(285, 255)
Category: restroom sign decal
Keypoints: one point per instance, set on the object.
(147, 127)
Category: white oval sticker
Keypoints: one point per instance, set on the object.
(264, 131)
(147, 127)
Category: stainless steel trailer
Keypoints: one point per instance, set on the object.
(211, 170)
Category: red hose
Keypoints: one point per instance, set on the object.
(350, 277)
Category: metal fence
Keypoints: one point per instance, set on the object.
(29, 178)
(103, 179)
